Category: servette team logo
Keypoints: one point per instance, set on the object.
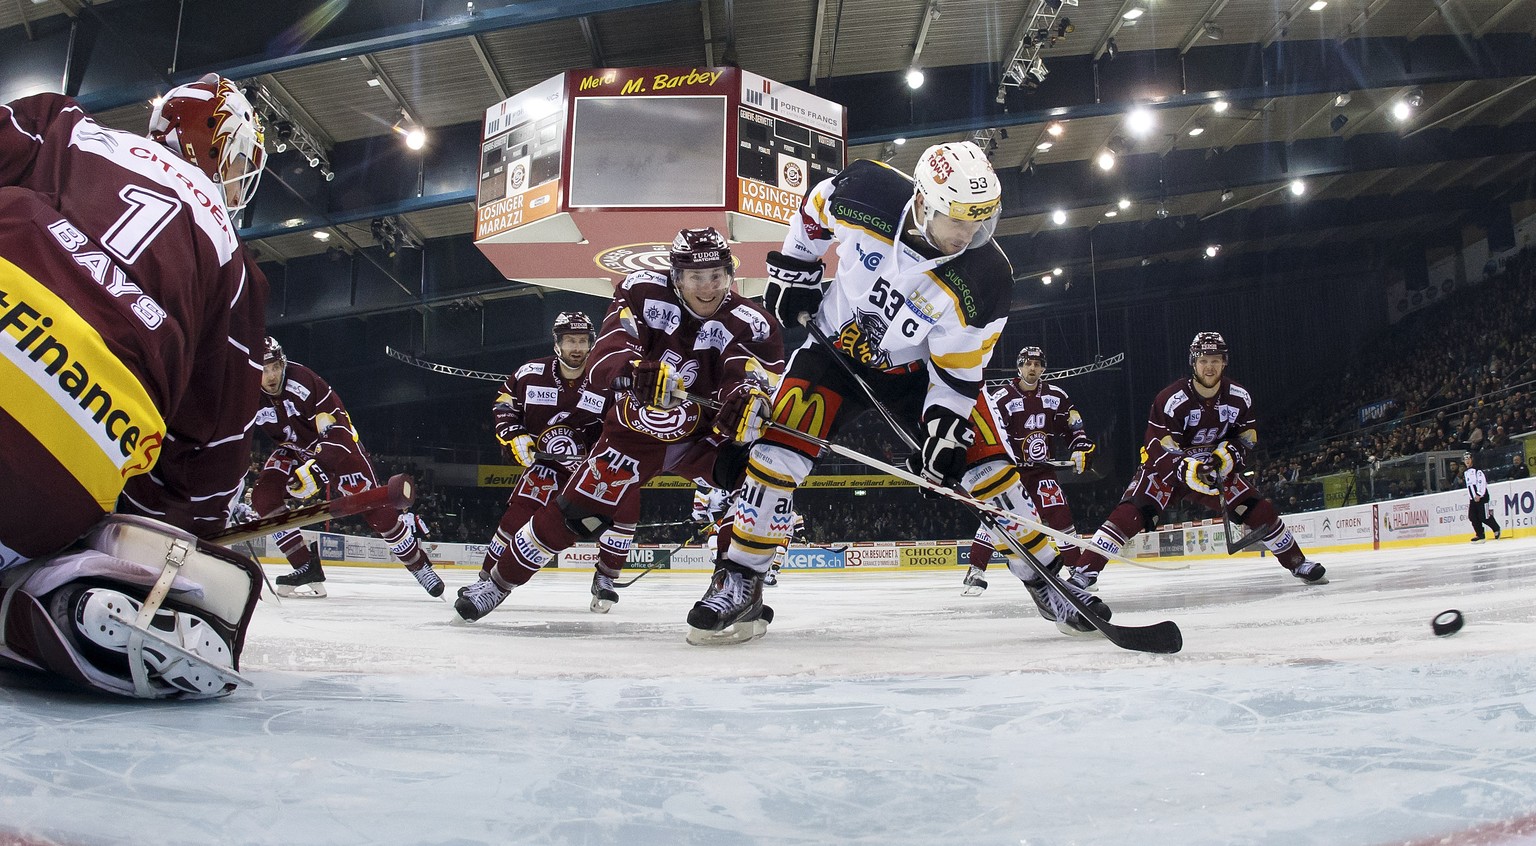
(647, 256)
(518, 177)
(792, 175)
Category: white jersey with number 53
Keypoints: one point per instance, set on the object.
(891, 307)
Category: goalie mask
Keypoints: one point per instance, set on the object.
(956, 181)
(211, 125)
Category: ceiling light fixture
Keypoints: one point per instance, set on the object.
(915, 78)
(1220, 106)
(1136, 10)
(1298, 187)
(1058, 217)
(1140, 121)
(1318, 5)
(1055, 128)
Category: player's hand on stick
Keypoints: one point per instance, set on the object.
(744, 409)
(1080, 460)
(519, 447)
(1200, 477)
(307, 480)
(946, 437)
(1223, 460)
(794, 287)
(655, 383)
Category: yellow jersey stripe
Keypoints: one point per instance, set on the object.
(61, 381)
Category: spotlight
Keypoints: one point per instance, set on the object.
(1112, 213)
(1056, 271)
(1035, 75)
(1197, 129)
(1136, 10)
(1401, 110)
(1213, 251)
(915, 78)
(1318, 5)
(284, 131)
(1123, 204)
(1044, 145)
(1414, 98)
(314, 161)
(1220, 106)
(1227, 195)
(1046, 279)
(1342, 100)
(1058, 217)
(1298, 187)
(1162, 211)
(1140, 121)
(1055, 128)
(1106, 160)
(416, 138)
(1213, 32)
(1064, 26)
(321, 235)
(1111, 48)
(898, 141)
(330, 175)
(1338, 122)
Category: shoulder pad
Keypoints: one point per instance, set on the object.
(870, 196)
(532, 368)
(982, 282)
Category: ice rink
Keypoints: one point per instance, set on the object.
(881, 708)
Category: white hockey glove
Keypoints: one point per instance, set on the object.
(1200, 477)
(519, 447)
(794, 287)
(1080, 460)
(743, 412)
(307, 480)
(946, 437)
(655, 383)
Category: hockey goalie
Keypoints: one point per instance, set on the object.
(138, 608)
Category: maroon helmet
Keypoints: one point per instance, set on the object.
(699, 249)
(273, 351)
(572, 323)
(1207, 343)
(1028, 353)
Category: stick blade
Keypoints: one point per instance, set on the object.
(1159, 638)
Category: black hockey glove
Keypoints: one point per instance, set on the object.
(946, 437)
(794, 287)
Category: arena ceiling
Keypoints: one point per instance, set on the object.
(1243, 98)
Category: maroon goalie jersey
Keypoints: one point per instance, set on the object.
(1196, 425)
(561, 415)
(129, 313)
(1038, 422)
(647, 320)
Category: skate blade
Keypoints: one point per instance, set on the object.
(600, 605)
(1068, 630)
(972, 590)
(224, 674)
(309, 591)
(741, 632)
(1305, 583)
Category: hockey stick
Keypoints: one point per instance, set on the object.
(398, 492)
(1242, 543)
(1163, 637)
(697, 536)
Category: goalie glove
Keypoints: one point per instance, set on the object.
(946, 438)
(655, 383)
(794, 287)
(307, 480)
(1080, 460)
(519, 446)
(1199, 476)
(743, 411)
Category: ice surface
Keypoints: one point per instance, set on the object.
(881, 708)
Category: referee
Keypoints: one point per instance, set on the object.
(1477, 509)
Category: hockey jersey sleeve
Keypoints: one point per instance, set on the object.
(1157, 443)
(621, 339)
(810, 236)
(1077, 435)
(331, 420)
(23, 125)
(957, 354)
(507, 410)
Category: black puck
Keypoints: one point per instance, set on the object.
(1447, 622)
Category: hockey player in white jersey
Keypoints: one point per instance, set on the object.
(919, 301)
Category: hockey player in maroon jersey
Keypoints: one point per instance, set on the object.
(665, 334)
(543, 410)
(131, 320)
(316, 445)
(1200, 432)
(1027, 421)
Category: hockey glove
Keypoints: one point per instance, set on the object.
(1080, 460)
(519, 446)
(794, 287)
(1200, 477)
(946, 437)
(1224, 459)
(654, 383)
(307, 480)
(743, 411)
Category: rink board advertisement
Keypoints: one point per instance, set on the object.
(1432, 518)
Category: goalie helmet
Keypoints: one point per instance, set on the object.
(957, 180)
(1029, 353)
(700, 249)
(1207, 343)
(211, 125)
(572, 323)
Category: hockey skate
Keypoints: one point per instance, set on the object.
(1085, 580)
(1055, 607)
(1311, 573)
(973, 581)
(732, 610)
(429, 580)
(479, 599)
(310, 577)
(603, 593)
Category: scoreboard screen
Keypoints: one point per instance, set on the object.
(652, 152)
